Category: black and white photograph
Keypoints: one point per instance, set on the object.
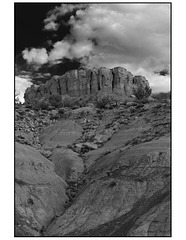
(92, 119)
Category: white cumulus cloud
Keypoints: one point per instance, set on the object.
(51, 26)
(36, 55)
(54, 14)
(21, 84)
(135, 34)
(59, 51)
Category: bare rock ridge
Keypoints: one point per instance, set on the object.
(84, 81)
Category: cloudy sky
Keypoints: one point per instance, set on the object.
(54, 38)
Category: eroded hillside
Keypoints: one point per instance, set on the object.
(94, 172)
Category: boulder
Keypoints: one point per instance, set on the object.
(39, 191)
(68, 164)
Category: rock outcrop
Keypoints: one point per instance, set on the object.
(83, 82)
(60, 135)
(123, 187)
(40, 192)
(68, 164)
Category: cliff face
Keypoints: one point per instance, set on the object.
(82, 82)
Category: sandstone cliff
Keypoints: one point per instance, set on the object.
(84, 81)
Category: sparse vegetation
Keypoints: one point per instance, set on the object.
(43, 105)
(105, 102)
(55, 100)
(68, 102)
(40, 104)
(142, 93)
(61, 111)
(162, 96)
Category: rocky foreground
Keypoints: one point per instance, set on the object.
(93, 172)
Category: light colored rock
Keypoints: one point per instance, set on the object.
(68, 164)
(101, 138)
(122, 82)
(86, 110)
(90, 145)
(39, 191)
(129, 104)
(80, 147)
(60, 134)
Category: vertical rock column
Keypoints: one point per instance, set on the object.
(82, 78)
(63, 84)
(92, 77)
(73, 83)
(105, 79)
(122, 82)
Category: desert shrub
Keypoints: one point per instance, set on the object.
(55, 100)
(103, 102)
(142, 93)
(35, 104)
(68, 102)
(38, 104)
(43, 105)
(143, 101)
(28, 105)
(61, 111)
(81, 102)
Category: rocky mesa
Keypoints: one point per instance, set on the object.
(83, 81)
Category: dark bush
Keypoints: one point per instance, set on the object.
(68, 102)
(103, 102)
(61, 111)
(143, 101)
(40, 104)
(28, 105)
(55, 100)
(112, 183)
(81, 102)
(43, 105)
(142, 93)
